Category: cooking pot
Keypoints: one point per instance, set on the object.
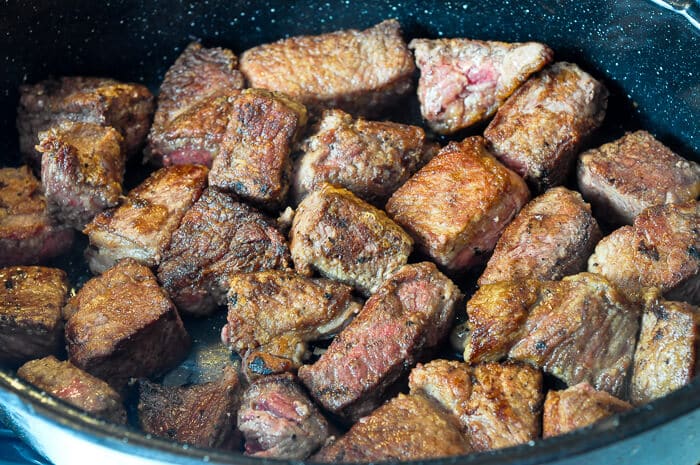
(648, 57)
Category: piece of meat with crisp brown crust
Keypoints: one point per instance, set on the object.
(31, 299)
(27, 234)
(280, 311)
(121, 324)
(405, 428)
(543, 125)
(279, 421)
(661, 249)
(142, 226)
(75, 386)
(666, 355)
(410, 314)
(82, 168)
(202, 415)
(497, 405)
(361, 72)
(254, 160)
(346, 239)
(464, 81)
(551, 237)
(635, 172)
(125, 107)
(576, 407)
(457, 205)
(370, 158)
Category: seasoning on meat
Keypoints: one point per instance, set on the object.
(279, 421)
(73, 385)
(464, 81)
(457, 205)
(551, 237)
(661, 249)
(410, 314)
(121, 324)
(543, 125)
(31, 299)
(82, 168)
(576, 407)
(346, 239)
(27, 234)
(141, 227)
(361, 72)
(202, 415)
(370, 158)
(635, 172)
(254, 158)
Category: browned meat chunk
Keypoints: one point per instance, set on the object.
(346, 239)
(369, 158)
(279, 421)
(71, 384)
(464, 81)
(542, 126)
(456, 206)
(122, 324)
(197, 75)
(82, 168)
(31, 299)
(254, 158)
(27, 234)
(217, 238)
(125, 107)
(666, 351)
(626, 176)
(202, 415)
(141, 227)
(405, 428)
(496, 405)
(551, 237)
(661, 250)
(408, 315)
(280, 311)
(361, 72)
(576, 407)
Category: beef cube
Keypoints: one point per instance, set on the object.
(217, 238)
(346, 239)
(361, 72)
(543, 125)
(661, 249)
(31, 299)
(141, 227)
(405, 428)
(121, 324)
(125, 107)
(71, 384)
(283, 310)
(464, 81)
(254, 158)
(497, 405)
(456, 206)
(626, 176)
(202, 415)
(198, 74)
(666, 351)
(82, 168)
(370, 158)
(576, 407)
(279, 421)
(27, 233)
(550, 238)
(409, 315)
